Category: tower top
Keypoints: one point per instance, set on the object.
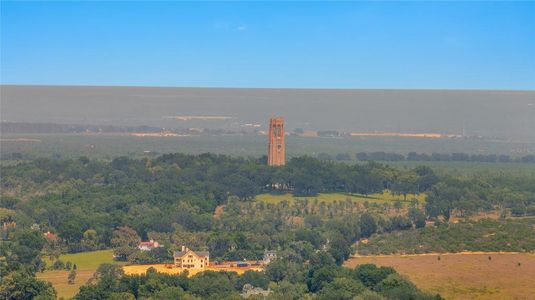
(276, 145)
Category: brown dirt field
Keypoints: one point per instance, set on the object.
(142, 269)
(464, 275)
(219, 210)
(59, 281)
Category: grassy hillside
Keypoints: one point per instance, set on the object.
(464, 276)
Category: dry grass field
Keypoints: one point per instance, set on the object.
(59, 281)
(142, 269)
(464, 276)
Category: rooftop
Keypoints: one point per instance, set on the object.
(199, 253)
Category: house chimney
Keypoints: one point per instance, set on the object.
(183, 248)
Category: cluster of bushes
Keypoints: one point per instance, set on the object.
(58, 264)
(413, 156)
(20, 260)
(521, 209)
(484, 235)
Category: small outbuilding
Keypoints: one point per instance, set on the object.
(148, 246)
(269, 256)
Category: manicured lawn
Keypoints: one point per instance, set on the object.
(386, 196)
(86, 262)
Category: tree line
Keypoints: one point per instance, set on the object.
(414, 156)
(288, 279)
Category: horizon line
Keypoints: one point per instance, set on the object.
(266, 88)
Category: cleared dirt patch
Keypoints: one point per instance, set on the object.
(219, 210)
(464, 276)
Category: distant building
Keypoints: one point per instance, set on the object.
(189, 259)
(50, 236)
(269, 256)
(276, 145)
(147, 246)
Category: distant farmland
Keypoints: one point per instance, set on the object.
(105, 146)
(506, 115)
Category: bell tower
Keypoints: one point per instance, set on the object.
(276, 146)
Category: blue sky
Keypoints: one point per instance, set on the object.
(444, 45)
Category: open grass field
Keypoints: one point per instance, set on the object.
(86, 262)
(59, 281)
(464, 276)
(386, 196)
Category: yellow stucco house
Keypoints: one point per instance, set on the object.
(189, 259)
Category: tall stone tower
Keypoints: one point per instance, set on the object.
(276, 146)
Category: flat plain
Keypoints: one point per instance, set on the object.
(110, 146)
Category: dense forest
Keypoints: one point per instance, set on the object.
(70, 197)
(94, 204)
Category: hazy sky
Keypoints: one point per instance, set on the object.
(476, 45)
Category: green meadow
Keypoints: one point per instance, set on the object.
(386, 196)
(87, 260)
